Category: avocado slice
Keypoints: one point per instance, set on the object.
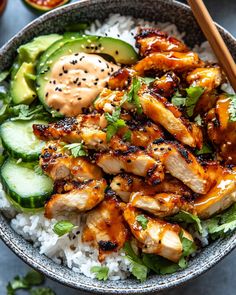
(41, 64)
(122, 52)
(29, 52)
(22, 88)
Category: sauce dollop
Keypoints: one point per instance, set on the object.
(76, 80)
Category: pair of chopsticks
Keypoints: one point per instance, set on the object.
(214, 38)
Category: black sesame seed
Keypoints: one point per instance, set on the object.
(87, 47)
(95, 83)
(117, 52)
(60, 74)
(79, 84)
(102, 70)
(76, 80)
(46, 94)
(84, 79)
(100, 61)
(82, 58)
(112, 69)
(96, 79)
(54, 82)
(96, 48)
(86, 72)
(107, 66)
(79, 98)
(76, 54)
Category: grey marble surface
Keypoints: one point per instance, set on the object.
(219, 280)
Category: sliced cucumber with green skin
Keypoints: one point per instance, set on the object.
(122, 52)
(19, 140)
(41, 65)
(24, 186)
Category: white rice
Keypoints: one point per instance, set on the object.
(69, 249)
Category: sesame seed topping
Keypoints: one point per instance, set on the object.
(117, 52)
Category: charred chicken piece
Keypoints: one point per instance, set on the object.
(167, 85)
(166, 114)
(151, 40)
(125, 184)
(121, 79)
(133, 161)
(168, 61)
(83, 198)
(105, 227)
(221, 130)
(181, 164)
(162, 204)
(160, 237)
(209, 79)
(221, 195)
(57, 163)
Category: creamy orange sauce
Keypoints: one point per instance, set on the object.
(76, 80)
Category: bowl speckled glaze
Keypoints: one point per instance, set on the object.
(55, 21)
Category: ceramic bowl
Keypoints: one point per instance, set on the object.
(55, 21)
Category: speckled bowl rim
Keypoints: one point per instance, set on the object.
(31, 256)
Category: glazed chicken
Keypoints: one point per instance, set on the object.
(180, 163)
(105, 227)
(81, 198)
(161, 205)
(145, 154)
(160, 237)
(133, 161)
(59, 164)
(168, 61)
(221, 195)
(221, 130)
(208, 78)
(125, 184)
(163, 112)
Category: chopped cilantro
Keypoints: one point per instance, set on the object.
(187, 218)
(127, 136)
(42, 291)
(159, 264)
(189, 247)
(101, 272)
(221, 224)
(63, 227)
(76, 149)
(198, 120)
(132, 95)
(142, 220)
(206, 149)
(189, 102)
(114, 123)
(3, 75)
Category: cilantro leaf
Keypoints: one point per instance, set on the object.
(189, 247)
(127, 136)
(159, 264)
(63, 227)
(34, 278)
(198, 120)
(232, 107)
(3, 75)
(41, 291)
(221, 224)
(138, 269)
(147, 80)
(142, 220)
(188, 218)
(206, 149)
(76, 149)
(101, 272)
(132, 95)
(189, 102)
(17, 284)
(114, 123)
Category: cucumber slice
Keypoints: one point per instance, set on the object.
(19, 140)
(24, 186)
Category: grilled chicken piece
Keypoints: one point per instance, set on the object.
(167, 85)
(133, 161)
(181, 164)
(209, 79)
(105, 227)
(57, 163)
(221, 130)
(160, 237)
(125, 184)
(121, 79)
(151, 40)
(83, 198)
(168, 61)
(221, 195)
(166, 114)
(160, 205)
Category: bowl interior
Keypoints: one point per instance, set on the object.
(158, 10)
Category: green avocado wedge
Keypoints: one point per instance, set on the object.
(120, 51)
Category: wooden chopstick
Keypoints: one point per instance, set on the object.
(214, 38)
